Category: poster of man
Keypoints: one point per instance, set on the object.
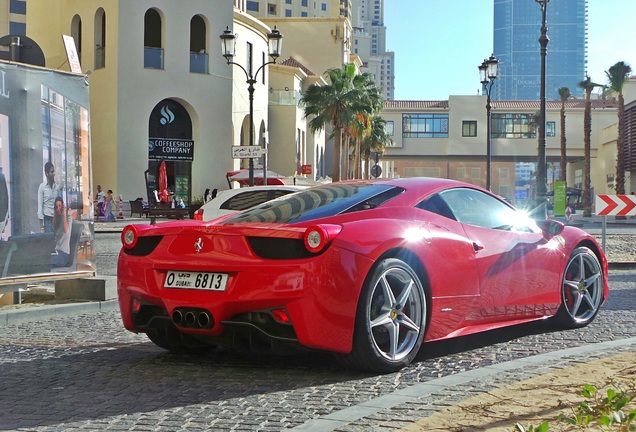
(45, 111)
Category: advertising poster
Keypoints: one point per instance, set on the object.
(46, 207)
(560, 198)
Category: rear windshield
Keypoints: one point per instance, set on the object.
(318, 202)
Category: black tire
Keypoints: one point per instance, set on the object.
(581, 290)
(390, 319)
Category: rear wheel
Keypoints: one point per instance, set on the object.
(582, 289)
(390, 320)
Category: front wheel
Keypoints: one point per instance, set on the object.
(390, 320)
(582, 289)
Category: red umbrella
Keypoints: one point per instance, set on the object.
(164, 195)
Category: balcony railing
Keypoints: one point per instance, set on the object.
(284, 97)
(153, 58)
(198, 62)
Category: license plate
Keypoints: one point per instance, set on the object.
(196, 280)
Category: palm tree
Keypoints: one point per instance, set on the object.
(588, 86)
(564, 95)
(617, 75)
(360, 130)
(371, 103)
(338, 103)
(329, 105)
(375, 141)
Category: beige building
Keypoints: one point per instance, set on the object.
(448, 139)
(161, 90)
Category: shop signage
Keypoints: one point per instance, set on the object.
(171, 149)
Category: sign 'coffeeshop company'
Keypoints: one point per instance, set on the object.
(171, 149)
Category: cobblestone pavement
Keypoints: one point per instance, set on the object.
(87, 373)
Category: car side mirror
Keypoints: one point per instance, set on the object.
(551, 228)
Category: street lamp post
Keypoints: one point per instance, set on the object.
(228, 46)
(488, 71)
(542, 186)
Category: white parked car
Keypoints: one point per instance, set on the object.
(233, 200)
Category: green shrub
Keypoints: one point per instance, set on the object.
(610, 411)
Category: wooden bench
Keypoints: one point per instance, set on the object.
(169, 212)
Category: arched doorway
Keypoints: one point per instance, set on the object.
(170, 141)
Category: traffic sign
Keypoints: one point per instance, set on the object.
(376, 171)
(247, 152)
(615, 205)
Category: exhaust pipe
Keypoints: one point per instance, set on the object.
(177, 317)
(190, 319)
(204, 320)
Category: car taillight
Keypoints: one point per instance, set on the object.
(198, 214)
(129, 237)
(318, 237)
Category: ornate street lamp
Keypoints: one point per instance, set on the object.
(542, 180)
(488, 71)
(228, 47)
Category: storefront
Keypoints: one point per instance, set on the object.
(170, 132)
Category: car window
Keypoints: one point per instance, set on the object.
(249, 199)
(436, 205)
(474, 207)
(245, 200)
(318, 202)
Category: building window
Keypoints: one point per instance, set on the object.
(153, 51)
(475, 173)
(550, 129)
(504, 174)
(469, 128)
(422, 172)
(198, 52)
(252, 6)
(288, 1)
(17, 7)
(578, 178)
(512, 126)
(100, 39)
(271, 9)
(461, 173)
(303, 3)
(324, 6)
(248, 60)
(288, 12)
(76, 33)
(17, 28)
(389, 127)
(303, 14)
(425, 125)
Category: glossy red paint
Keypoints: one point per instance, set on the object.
(474, 278)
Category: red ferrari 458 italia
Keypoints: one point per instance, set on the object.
(368, 270)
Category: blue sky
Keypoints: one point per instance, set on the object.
(438, 44)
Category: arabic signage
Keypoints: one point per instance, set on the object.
(248, 152)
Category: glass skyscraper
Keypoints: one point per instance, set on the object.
(517, 27)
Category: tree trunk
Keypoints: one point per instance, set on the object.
(337, 143)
